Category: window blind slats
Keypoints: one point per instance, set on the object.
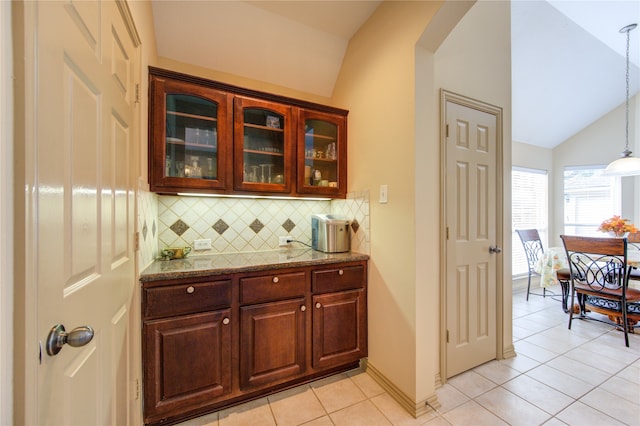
(589, 198)
(528, 210)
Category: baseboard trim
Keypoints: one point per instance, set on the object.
(509, 352)
(416, 409)
(438, 380)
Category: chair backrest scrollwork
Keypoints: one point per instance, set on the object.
(597, 264)
(532, 246)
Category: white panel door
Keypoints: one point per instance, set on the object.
(472, 224)
(84, 207)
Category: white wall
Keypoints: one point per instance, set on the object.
(538, 158)
(475, 61)
(394, 140)
(377, 83)
(598, 144)
(532, 157)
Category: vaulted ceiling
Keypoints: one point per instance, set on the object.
(568, 58)
(568, 65)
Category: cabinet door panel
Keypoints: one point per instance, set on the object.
(322, 154)
(187, 362)
(272, 342)
(339, 328)
(263, 146)
(190, 136)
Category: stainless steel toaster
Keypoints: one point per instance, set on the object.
(330, 233)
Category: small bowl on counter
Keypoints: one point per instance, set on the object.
(170, 253)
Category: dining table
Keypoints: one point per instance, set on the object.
(549, 263)
(552, 260)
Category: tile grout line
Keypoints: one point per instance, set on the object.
(540, 363)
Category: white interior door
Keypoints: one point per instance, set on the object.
(472, 223)
(84, 207)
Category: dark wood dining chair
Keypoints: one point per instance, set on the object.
(564, 278)
(600, 279)
(633, 240)
(533, 250)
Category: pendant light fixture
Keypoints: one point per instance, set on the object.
(626, 165)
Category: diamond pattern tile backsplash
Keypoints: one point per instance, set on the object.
(147, 226)
(247, 225)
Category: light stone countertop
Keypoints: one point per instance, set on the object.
(219, 264)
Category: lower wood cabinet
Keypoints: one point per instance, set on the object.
(216, 341)
(272, 342)
(187, 362)
(339, 328)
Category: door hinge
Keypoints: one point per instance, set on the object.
(447, 130)
(447, 336)
(137, 93)
(136, 389)
(447, 232)
(136, 241)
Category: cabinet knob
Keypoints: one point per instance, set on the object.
(276, 279)
(303, 308)
(318, 305)
(226, 321)
(190, 289)
(340, 272)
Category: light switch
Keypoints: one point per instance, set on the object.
(383, 194)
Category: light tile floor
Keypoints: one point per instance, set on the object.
(584, 376)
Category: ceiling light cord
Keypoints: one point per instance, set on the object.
(627, 164)
(626, 151)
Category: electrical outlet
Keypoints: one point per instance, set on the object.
(284, 241)
(202, 244)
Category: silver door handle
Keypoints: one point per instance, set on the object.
(494, 249)
(58, 336)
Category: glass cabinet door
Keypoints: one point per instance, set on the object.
(192, 137)
(263, 146)
(321, 153)
(189, 137)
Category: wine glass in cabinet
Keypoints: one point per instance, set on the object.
(190, 137)
(263, 146)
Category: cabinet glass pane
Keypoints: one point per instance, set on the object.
(263, 146)
(320, 155)
(192, 137)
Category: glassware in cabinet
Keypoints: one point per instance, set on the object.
(263, 146)
(192, 137)
(322, 153)
(189, 136)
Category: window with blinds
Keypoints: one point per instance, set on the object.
(529, 188)
(589, 198)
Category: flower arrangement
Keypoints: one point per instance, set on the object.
(617, 226)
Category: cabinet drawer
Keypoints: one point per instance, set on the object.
(186, 298)
(338, 278)
(272, 287)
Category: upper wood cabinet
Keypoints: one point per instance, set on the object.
(189, 136)
(209, 137)
(322, 153)
(263, 146)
